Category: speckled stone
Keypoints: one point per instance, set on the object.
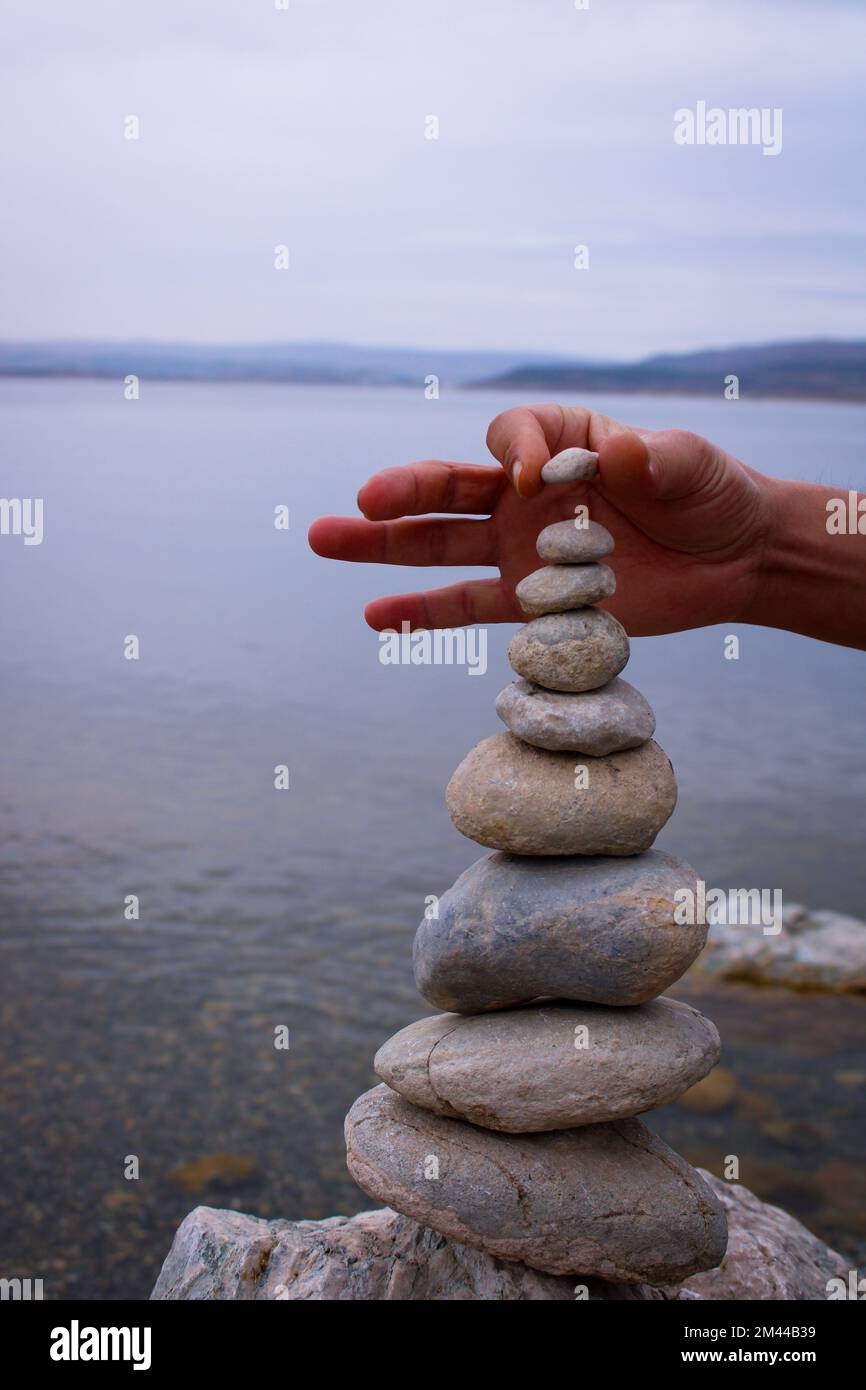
(558, 588)
(608, 1200)
(599, 930)
(606, 720)
(550, 1066)
(580, 650)
(566, 543)
(511, 796)
(570, 466)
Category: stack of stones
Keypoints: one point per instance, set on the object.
(509, 1122)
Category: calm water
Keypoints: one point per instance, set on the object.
(259, 908)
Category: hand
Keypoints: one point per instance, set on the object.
(689, 522)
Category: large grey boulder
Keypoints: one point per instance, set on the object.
(609, 1200)
(598, 930)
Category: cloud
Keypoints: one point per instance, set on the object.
(306, 127)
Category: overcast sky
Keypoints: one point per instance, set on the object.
(306, 126)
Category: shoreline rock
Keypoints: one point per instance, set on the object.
(377, 1256)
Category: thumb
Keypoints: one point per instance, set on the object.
(663, 466)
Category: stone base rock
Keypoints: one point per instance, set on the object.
(380, 1255)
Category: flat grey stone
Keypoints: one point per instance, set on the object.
(550, 1066)
(570, 466)
(599, 930)
(606, 720)
(609, 1200)
(580, 650)
(511, 796)
(566, 543)
(557, 588)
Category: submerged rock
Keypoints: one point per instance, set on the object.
(550, 1066)
(813, 950)
(607, 1200)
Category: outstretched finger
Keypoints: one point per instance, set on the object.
(431, 541)
(430, 486)
(477, 601)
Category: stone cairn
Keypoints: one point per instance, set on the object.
(509, 1122)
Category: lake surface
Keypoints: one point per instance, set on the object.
(259, 908)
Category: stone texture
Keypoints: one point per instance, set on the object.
(374, 1256)
(559, 588)
(580, 650)
(565, 543)
(813, 950)
(597, 930)
(550, 1066)
(511, 796)
(380, 1255)
(570, 466)
(611, 1201)
(606, 720)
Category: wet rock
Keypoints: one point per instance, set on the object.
(550, 1066)
(611, 1200)
(511, 796)
(606, 720)
(580, 650)
(813, 950)
(566, 543)
(558, 588)
(598, 930)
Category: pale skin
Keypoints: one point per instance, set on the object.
(700, 538)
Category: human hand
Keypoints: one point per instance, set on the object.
(689, 523)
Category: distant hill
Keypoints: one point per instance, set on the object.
(818, 370)
(821, 370)
(342, 364)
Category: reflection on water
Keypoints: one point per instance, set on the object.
(155, 1037)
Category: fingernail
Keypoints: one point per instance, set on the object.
(515, 476)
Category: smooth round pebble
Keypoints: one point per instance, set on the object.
(580, 650)
(609, 1200)
(566, 543)
(511, 796)
(550, 1066)
(600, 930)
(558, 588)
(606, 720)
(570, 466)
